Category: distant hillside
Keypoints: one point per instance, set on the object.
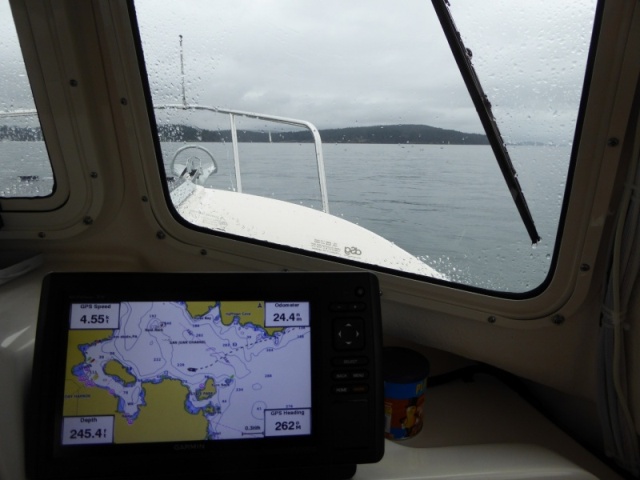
(418, 134)
(387, 134)
(20, 134)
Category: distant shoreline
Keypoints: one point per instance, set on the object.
(377, 134)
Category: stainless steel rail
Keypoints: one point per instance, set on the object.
(271, 118)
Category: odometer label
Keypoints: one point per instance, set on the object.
(87, 430)
(95, 316)
(286, 314)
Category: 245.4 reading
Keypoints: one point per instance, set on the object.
(87, 430)
(87, 433)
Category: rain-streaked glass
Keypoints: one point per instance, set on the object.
(405, 154)
(25, 167)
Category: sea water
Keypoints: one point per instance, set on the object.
(446, 204)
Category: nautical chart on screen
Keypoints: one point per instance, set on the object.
(184, 371)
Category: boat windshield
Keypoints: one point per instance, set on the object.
(25, 166)
(404, 178)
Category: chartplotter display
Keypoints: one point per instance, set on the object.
(179, 371)
(136, 375)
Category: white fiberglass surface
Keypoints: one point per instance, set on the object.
(25, 167)
(404, 153)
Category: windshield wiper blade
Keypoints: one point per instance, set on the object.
(480, 100)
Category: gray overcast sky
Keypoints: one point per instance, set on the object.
(342, 63)
(332, 63)
(339, 63)
(14, 85)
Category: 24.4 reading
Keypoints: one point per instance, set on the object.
(281, 317)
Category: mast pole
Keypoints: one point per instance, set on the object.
(184, 95)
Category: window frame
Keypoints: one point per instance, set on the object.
(389, 270)
(590, 188)
(29, 52)
(61, 103)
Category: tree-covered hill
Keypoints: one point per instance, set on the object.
(19, 134)
(385, 134)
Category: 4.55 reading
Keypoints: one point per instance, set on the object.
(94, 316)
(95, 319)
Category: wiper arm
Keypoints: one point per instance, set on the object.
(480, 100)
